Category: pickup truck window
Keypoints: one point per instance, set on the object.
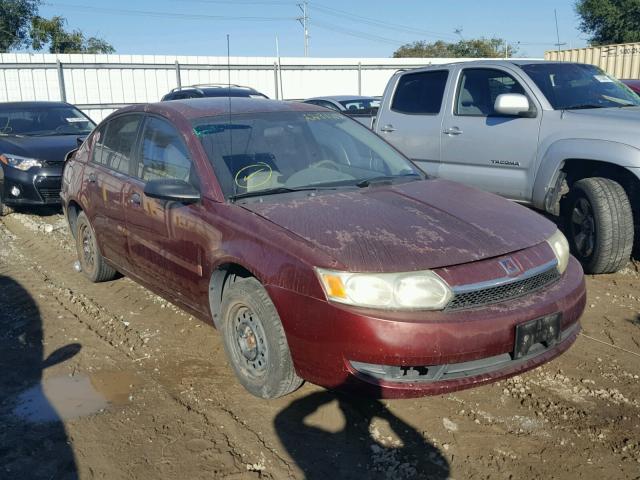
(576, 86)
(479, 88)
(420, 93)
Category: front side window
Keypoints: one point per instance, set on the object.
(479, 88)
(576, 86)
(292, 150)
(420, 93)
(164, 153)
(118, 143)
(40, 121)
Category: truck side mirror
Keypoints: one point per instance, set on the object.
(513, 105)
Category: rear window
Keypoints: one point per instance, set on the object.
(420, 93)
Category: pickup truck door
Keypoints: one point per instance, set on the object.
(482, 148)
(410, 116)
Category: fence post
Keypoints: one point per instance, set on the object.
(359, 78)
(275, 79)
(63, 90)
(178, 79)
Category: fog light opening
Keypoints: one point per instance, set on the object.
(15, 191)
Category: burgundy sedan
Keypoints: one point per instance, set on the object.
(318, 250)
(633, 85)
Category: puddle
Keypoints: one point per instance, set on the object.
(65, 398)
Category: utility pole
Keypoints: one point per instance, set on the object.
(555, 12)
(304, 21)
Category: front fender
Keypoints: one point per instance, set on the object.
(554, 158)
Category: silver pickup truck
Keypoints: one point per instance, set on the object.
(561, 137)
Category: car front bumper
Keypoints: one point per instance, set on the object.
(36, 186)
(331, 343)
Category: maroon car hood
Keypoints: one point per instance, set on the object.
(413, 226)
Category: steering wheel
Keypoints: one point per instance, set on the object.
(330, 164)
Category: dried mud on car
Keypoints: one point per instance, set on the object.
(110, 381)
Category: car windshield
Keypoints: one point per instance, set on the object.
(360, 105)
(571, 85)
(277, 152)
(43, 120)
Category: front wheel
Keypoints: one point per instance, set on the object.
(4, 209)
(599, 224)
(255, 342)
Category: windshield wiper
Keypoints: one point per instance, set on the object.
(278, 190)
(5, 134)
(385, 179)
(581, 106)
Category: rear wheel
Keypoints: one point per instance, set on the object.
(91, 260)
(599, 224)
(255, 340)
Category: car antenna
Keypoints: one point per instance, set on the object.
(235, 190)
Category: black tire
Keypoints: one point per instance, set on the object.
(599, 224)
(255, 342)
(91, 260)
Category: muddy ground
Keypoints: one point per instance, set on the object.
(109, 381)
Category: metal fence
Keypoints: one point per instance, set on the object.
(99, 84)
(621, 60)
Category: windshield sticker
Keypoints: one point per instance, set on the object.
(317, 116)
(76, 120)
(251, 172)
(603, 78)
(210, 129)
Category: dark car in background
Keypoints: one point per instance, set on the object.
(212, 90)
(362, 109)
(35, 138)
(318, 250)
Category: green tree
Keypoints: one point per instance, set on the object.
(610, 21)
(477, 47)
(52, 32)
(15, 22)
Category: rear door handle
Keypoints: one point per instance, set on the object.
(453, 131)
(135, 199)
(388, 129)
(93, 178)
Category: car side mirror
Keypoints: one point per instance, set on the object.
(513, 105)
(80, 140)
(172, 190)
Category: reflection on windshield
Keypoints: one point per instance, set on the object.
(288, 151)
(360, 105)
(43, 121)
(577, 86)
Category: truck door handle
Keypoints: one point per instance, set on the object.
(93, 178)
(453, 131)
(135, 199)
(388, 129)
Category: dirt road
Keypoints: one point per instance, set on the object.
(109, 381)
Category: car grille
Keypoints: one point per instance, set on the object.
(49, 194)
(501, 293)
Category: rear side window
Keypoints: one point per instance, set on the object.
(420, 93)
(479, 88)
(114, 147)
(164, 154)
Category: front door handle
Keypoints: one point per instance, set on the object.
(135, 199)
(93, 178)
(453, 131)
(388, 129)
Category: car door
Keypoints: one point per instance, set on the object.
(107, 174)
(483, 148)
(410, 118)
(166, 240)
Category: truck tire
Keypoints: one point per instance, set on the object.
(91, 260)
(255, 341)
(599, 224)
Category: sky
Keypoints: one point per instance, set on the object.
(358, 28)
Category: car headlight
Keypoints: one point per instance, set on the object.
(423, 290)
(21, 163)
(560, 246)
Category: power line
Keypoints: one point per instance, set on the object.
(357, 33)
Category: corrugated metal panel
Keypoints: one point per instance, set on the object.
(621, 60)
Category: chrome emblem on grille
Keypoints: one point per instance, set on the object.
(509, 266)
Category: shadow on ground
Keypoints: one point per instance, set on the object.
(28, 449)
(368, 442)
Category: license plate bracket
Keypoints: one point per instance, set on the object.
(544, 330)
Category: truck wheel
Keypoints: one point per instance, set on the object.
(599, 224)
(255, 341)
(91, 260)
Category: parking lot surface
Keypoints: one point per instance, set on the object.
(110, 381)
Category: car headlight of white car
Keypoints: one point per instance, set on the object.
(422, 290)
(560, 246)
(21, 163)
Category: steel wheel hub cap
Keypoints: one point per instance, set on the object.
(87, 247)
(251, 340)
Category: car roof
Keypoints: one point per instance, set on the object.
(33, 103)
(488, 62)
(194, 108)
(341, 98)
